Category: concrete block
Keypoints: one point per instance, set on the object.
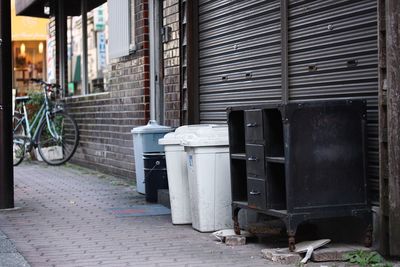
(235, 240)
(282, 256)
(335, 252)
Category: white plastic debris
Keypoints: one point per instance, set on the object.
(309, 247)
(310, 250)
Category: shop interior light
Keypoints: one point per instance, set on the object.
(40, 48)
(46, 8)
(22, 49)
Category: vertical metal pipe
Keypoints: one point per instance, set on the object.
(285, 51)
(61, 22)
(6, 158)
(85, 83)
(193, 61)
(153, 67)
(393, 111)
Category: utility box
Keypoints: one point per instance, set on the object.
(145, 140)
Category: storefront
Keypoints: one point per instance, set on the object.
(28, 51)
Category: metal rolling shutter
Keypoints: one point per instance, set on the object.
(333, 54)
(239, 55)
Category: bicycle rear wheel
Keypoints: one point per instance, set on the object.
(58, 144)
(18, 141)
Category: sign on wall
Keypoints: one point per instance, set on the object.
(101, 52)
(99, 19)
(51, 59)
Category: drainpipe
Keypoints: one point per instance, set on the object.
(61, 35)
(84, 68)
(6, 159)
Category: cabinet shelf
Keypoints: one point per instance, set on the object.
(275, 159)
(238, 156)
(273, 212)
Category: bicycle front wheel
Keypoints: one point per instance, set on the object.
(18, 141)
(58, 138)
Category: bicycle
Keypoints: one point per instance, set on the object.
(53, 132)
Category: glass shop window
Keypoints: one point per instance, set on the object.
(29, 58)
(97, 49)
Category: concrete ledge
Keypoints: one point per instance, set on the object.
(13, 260)
(9, 255)
(330, 253)
(6, 246)
(335, 252)
(2, 236)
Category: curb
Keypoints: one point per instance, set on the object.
(9, 255)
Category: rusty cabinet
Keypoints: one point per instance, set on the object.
(300, 161)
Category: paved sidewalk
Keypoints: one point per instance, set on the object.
(65, 220)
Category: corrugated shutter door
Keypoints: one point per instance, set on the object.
(240, 55)
(333, 54)
(119, 28)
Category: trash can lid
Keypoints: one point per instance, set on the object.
(181, 133)
(152, 127)
(214, 135)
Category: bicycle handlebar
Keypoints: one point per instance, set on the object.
(37, 80)
(48, 85)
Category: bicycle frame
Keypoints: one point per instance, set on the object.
(43, 114)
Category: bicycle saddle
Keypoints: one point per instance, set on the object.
(22, 98)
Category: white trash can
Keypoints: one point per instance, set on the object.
(145, 139)
(209, 178)
(177, 172)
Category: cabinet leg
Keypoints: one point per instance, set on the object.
(368, 236)
(236, 226)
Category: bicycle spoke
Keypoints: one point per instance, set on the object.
(57, 145)
(18, 141)
(46, 142)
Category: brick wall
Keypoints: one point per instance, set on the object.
(172, 88)
(105, 120)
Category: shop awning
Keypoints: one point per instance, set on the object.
(26, 28)
(35, 8)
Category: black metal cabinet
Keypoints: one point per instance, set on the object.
(300, 161)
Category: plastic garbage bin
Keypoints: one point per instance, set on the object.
(209, 178)
(145, 139)
(155, 171)
(177, 172)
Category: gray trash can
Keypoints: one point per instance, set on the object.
(145, 139)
